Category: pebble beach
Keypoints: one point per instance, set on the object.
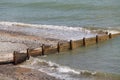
(15, 38)
(12, 72)
(13, 41)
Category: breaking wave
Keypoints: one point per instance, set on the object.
(65, 72)
(84, 29)
(42, 26)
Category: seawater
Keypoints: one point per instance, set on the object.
(98, 13)
(97, 62)
(103, 58)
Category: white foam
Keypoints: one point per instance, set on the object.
(113, 31)
(56, 70)
(64, 69)
(86, 72)
(5, 23)
(44, 26)
(50, 31)
(52, 68)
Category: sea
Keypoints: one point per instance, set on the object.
(96, 62)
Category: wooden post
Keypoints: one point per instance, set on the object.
(19, 57)
(71, 45)
(43, 49)
(106, 32)
(28, 53)
(84, 41)
(110, 35)
(97, 39)
(58, 47)
(14, 57)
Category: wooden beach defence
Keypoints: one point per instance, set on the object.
(15, 57)
(19, 57)
(70, 45)
(6, 58)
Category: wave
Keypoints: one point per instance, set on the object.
(41, 26)
(65, 72)
(83, 29)
(54, 31)
(53, 69)
(50, 31)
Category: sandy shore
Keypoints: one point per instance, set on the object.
(11, 72)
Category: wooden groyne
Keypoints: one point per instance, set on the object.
(19, 57)
(15, 58)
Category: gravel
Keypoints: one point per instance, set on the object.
(11, 72)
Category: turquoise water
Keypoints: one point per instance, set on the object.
(102, 58)
(98, 13)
